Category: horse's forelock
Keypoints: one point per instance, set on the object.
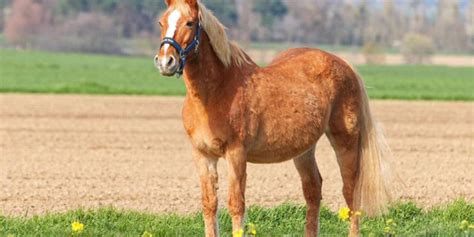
(182, 6)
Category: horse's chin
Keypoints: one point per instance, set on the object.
(168, 74)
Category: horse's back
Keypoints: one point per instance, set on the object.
(304, 55)
(323, 70)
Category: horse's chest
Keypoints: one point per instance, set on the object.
(212, 129)
(209, 138)
(207, 142)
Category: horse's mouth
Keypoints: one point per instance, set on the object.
(168, 72)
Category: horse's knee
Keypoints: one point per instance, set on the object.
(236, 206)
(209, 195)
(209, 204)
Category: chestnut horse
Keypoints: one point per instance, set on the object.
(243, 113)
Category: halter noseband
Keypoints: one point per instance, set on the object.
(183, 53)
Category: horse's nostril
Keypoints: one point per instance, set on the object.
(170, 61)
(156, 60)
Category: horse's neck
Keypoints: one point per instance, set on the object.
(206, 76)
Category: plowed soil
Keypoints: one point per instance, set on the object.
(59, 153)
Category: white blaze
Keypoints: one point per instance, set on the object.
(173, 19)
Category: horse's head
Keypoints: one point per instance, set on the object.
(180, 35)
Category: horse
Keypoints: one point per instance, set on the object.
(243, 113)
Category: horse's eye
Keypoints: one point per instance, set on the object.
(160, 24)
(189, 24)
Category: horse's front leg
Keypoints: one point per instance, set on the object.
(207, 168)
(237, 164)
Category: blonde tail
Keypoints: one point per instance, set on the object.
(372, 192)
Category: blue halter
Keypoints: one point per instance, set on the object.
(183, 53)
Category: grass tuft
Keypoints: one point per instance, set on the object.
(403, 219)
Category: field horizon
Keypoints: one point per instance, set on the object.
(69, 73)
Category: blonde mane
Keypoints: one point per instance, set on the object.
(225, 50)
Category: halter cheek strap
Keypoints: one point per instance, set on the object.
(183, 53)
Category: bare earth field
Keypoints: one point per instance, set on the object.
(63, 152)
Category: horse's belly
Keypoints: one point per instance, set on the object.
(286, 137)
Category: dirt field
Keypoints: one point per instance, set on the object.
(62, 152)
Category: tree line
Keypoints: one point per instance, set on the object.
(104, 25)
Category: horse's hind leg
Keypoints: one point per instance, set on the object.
(344, 136)
(312, 183)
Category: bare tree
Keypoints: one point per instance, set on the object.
(470, 25)
(26, 19)
(450, 33)
(390, 24)
(244, 11)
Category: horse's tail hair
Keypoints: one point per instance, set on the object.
(372, 191)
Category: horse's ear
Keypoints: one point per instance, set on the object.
(169, 2)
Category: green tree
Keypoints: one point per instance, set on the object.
(225, 10)
(270, 10)
(3, 5)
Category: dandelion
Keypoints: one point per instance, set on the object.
(147, 234)
(77, 227)
(388, 230)
(464, 225)
(389, 227)
(252, 229)
(238, 233)
(344, 213)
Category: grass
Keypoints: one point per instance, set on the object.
(287, 219)
(419, 82)
(38, 72)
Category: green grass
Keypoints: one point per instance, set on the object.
(287, 219)
(419, 82)
(38, 72)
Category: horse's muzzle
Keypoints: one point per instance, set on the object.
(167, 65)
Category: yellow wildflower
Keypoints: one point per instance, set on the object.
(252, 229)
(471, 226)
(388, 230)
(344, 213)
(464, 225)
(238, 233)
(389, 222)
(147, 234)
(10, 235)
(77, 227)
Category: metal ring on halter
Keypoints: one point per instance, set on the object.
(183, 53)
